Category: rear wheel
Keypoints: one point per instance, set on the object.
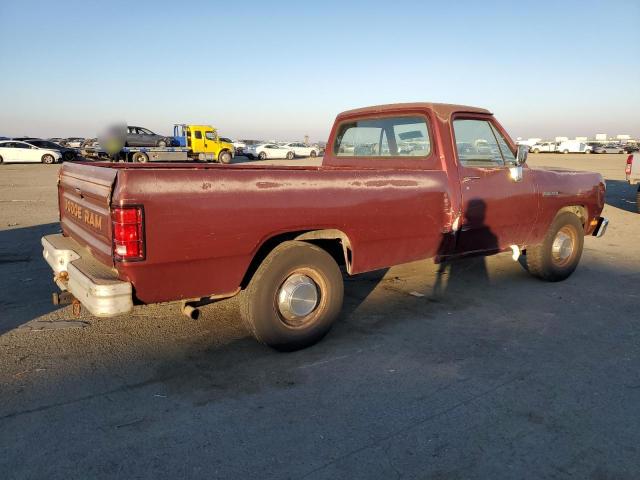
(565, 151)
(559, 253)
(48, 159)
(313, 154)
(140, 157)
(162, 143)
(290, 155)
(1, 160)
(294, 297)
(224, 157)
(536, 150)
(262, 156)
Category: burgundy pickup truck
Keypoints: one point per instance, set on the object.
(398, 183)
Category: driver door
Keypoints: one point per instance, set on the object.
(497, 210)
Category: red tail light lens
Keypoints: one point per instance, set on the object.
(128, 234)
(627, 169)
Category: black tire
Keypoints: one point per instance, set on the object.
(262, 155)
(162, 143)
(313, 154)
(260, 303)
(224, 157)
(48, 159)
(139, 157)
(545, 262)
(565, 151)
(69, 156)
(637, 195)
(536, 150)
(290, 155)
(1, 160)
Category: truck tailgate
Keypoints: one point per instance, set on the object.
(84, 197)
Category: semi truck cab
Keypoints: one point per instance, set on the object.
(203, 142)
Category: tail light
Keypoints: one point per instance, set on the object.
(627, 169)
(128, 233)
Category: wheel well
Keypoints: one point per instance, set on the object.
(334, 242)
(577, 210)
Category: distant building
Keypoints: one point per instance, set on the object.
(602, 137)
(561, 139)
(581, 139)
(623, 137)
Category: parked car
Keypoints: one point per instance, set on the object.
(632, 172)
(269, 150)
(143, 137)
(147, 234)
(238, 145)
(302, 150)
(72, 142)
(631, 147)
(68, 154)
(611, 148)
(544, 147)
(574, 146)
(17, 151)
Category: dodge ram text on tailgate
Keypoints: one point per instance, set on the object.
(398, 183)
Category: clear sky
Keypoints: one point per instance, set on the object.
(259, 69)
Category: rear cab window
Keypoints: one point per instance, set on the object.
(397, 136)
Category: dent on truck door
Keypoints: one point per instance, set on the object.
(497, 211)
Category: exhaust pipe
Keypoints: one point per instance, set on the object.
(190, 311)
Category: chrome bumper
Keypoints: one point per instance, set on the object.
(601, 228)
(95, 285)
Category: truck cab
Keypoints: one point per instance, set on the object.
(203, 142)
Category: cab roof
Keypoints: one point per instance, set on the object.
(440, 109)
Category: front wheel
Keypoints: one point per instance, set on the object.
(558, 255)
(313, 154)
(262, 156)
(290, 155)
(536, 150)
(162, 143)
(294, 297)
(224, 157)
(48, 159)
(565, 151)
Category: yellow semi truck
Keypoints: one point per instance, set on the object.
(203, 143)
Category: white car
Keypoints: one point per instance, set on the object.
(269, 150)
(16, 151)
(544, 147)
(302, 150)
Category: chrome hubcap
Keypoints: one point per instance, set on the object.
(562, 247)
(298, 297)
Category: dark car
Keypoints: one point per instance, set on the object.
(143, 137)
(631, 147)
(68, 153)
(610, 148)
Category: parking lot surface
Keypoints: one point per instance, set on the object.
(492, 374)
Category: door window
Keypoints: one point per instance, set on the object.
(198, 134)
(383, 137)
(477, 144)
(210, 136)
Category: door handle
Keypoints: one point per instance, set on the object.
(468, 179)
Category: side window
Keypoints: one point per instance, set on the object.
(198, 134)
(383, 137)
(505, 149)
(476, 144)
(209, 135)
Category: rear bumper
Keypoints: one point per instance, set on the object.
(601, 228)
(95, 285)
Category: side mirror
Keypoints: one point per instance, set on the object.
(521, 155)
